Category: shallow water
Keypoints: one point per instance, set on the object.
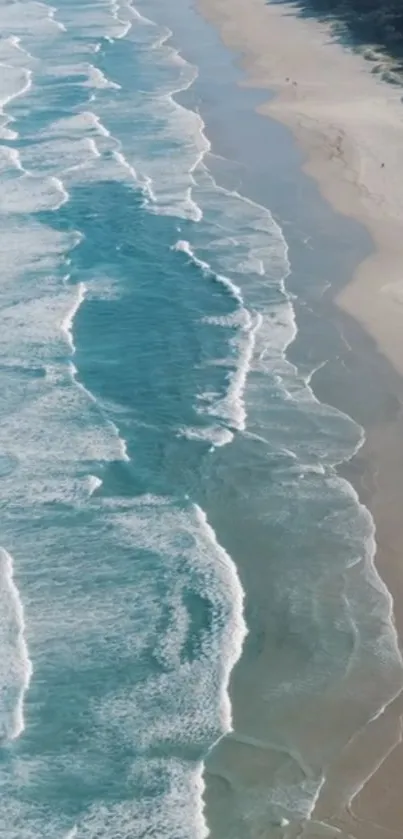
(158, 451)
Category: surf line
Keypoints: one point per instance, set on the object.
(16, 676)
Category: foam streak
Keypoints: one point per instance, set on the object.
(16, 670)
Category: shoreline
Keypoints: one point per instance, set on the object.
(345, 159)
(346, 137)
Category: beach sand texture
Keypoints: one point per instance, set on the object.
(349, 123)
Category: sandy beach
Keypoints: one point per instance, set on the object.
(349, 124)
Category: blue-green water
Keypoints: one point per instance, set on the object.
(158, 451)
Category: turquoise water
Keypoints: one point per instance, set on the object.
(159, 454)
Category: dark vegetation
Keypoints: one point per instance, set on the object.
(367, 23)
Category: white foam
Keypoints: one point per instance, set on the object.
(59, 156)
(216, 435)
(31, 194)
(232, 288)
(29, 21)
(124, 163)
(12, 52)
(80, 148)
(186, 537)
(102, 287)
(122, 619)
(27, 193)
(16, 667)
(51, 12)
(93, 484)
(244, 236)
(122, 453)
(37, 329)
(95, 21)
(94, 78)
(22, 245)
(166, 191)
(243, 240)
(14, 82)
(231, 406)
(10, 161)
(85, 125)
(67, 322)
(98, 80)
(66, 145)
(235, 629)
(179, 799)
(185, 700)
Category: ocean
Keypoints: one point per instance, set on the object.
(169, 495)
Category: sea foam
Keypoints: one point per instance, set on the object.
(16, 667)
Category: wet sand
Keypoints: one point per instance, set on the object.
(350, 126)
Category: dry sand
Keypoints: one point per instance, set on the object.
(350, 125)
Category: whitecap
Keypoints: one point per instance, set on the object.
(93, 484)
(16, 667)
(67, 322)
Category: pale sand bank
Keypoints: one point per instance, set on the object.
(350, 125)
